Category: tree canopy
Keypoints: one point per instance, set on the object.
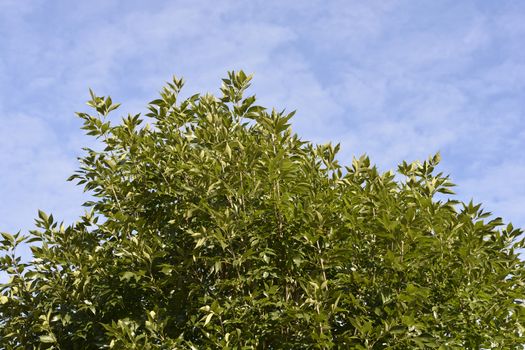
(215, 226)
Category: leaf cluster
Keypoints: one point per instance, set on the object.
(215, 226)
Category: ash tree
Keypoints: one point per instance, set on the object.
(215, 226)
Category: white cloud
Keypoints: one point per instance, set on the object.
(35, 168)
(501, 188)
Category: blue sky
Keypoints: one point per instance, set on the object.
(398, 80)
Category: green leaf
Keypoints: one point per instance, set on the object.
(8, 237)
(126, 276)
(208, 319)
(49, 338)
(228, 151)
(43, 216)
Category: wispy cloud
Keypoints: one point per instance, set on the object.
(35, 167)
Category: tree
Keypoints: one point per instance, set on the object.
(217, 227)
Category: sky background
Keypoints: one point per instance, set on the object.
(398, 80)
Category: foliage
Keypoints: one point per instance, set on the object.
(217, 227)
